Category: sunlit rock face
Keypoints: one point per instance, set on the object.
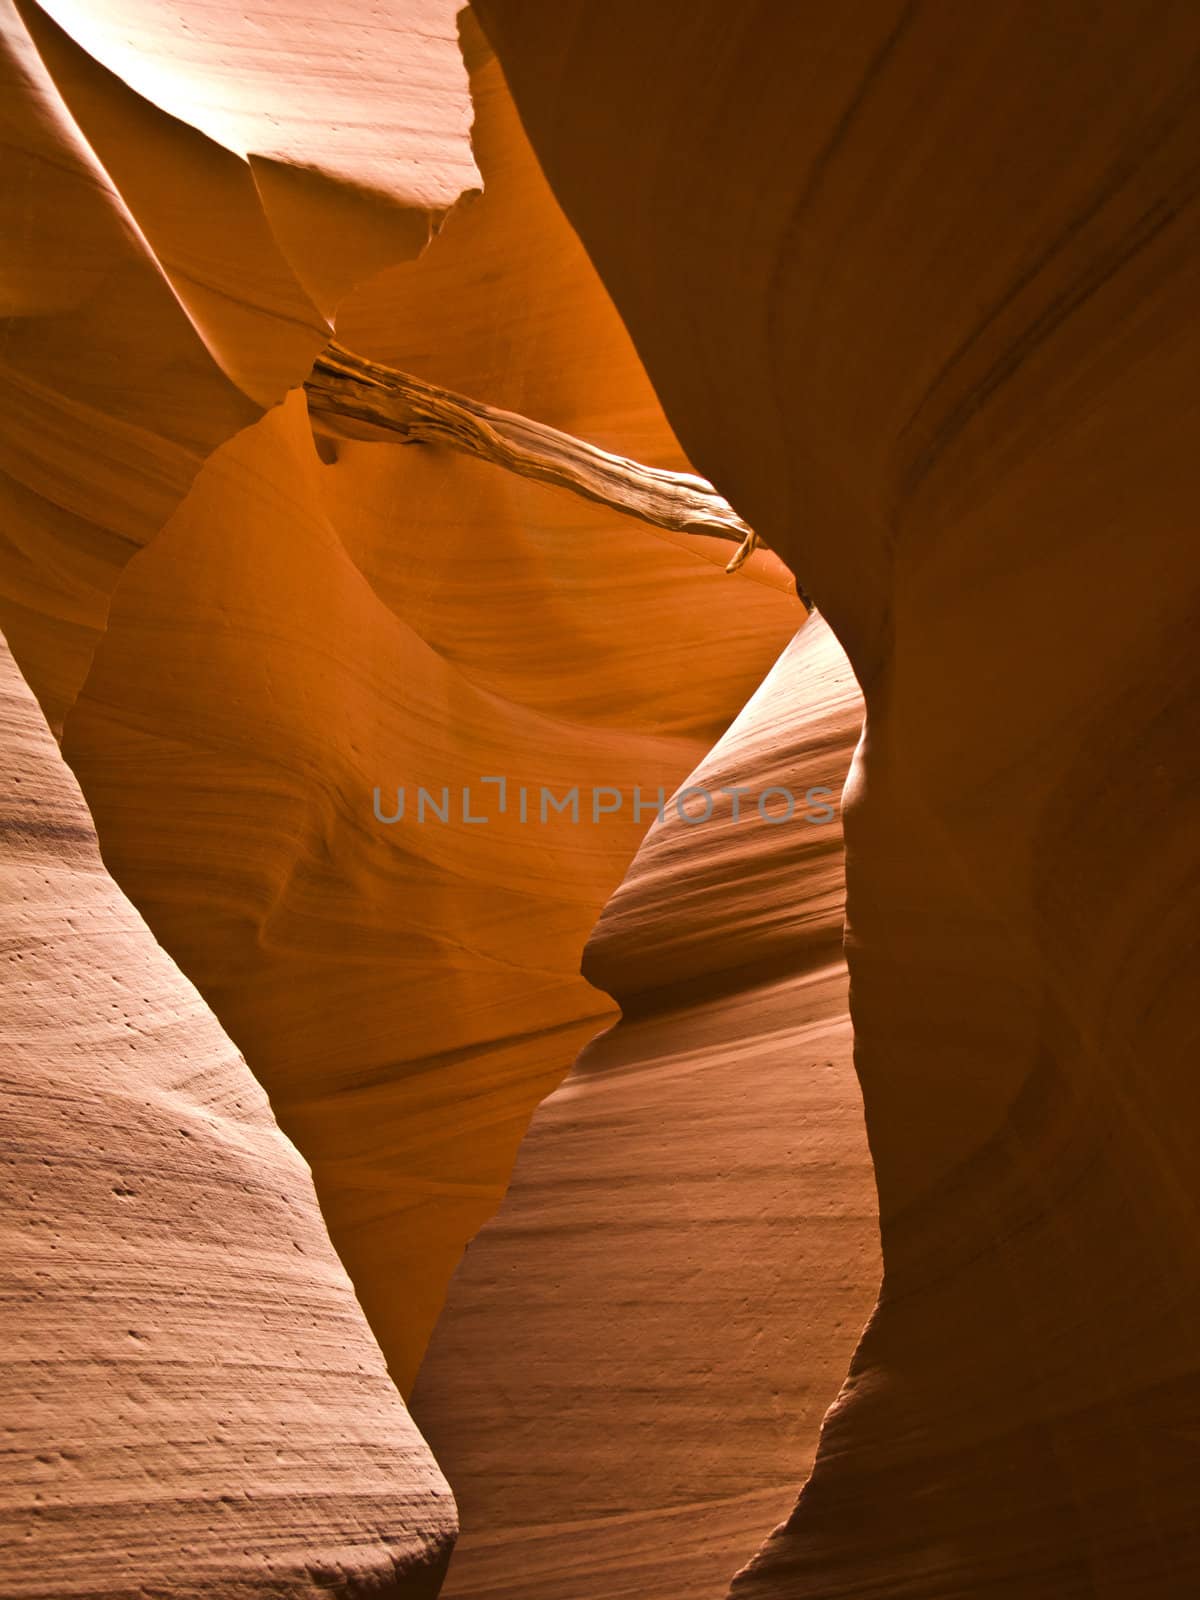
(249, 638)
(393, 618)
(636, 1354)
(352, 124)
(406, 991)
(917, 289)
(193, 1404)
(160, 290)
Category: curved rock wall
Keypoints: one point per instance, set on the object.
(636, 1353)
(193, 1404)
(408, 992)
(917, 287)
(154, 301)
(241, 639)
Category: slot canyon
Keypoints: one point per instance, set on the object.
(601, 746)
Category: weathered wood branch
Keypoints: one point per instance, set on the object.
(349, 388)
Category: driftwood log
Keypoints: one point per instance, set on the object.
(347, 388)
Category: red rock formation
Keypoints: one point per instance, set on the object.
(311, 646)
(151, 310)
(193, 1404)
(300, 629)
(636, 1353)
(352, 128)
(917, 287)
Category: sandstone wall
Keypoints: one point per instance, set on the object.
(917, 287)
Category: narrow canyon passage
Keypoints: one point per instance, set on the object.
(269, 627)
(637, 1352)
(819, 1158)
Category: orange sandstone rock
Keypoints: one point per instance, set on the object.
(917, 288)
(295, 634)
(637, 1351)
(169, 239)
(409, 992)
(193, 1404)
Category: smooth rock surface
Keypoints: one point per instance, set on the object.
(160, 290)
(193, 1404)
(637, 1351)
(917, 287)
(351, 121)
(406, 617)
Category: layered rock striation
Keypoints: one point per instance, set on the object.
(917, 289)
(248, 638)
(636, 1353)
(193, 1404)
